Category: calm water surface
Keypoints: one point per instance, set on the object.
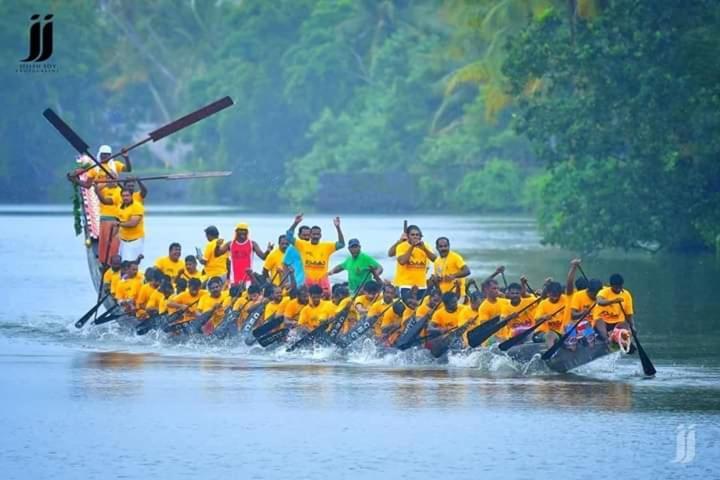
(98, 403)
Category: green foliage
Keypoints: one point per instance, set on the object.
(495, 187)
(627, 121)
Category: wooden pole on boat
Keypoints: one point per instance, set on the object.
(170, 176)
(178, 125)
(74, 139)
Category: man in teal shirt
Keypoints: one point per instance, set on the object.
(357, 265)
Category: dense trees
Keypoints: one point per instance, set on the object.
(600, 115)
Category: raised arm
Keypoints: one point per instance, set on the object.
(126, 159)
(429, 253)
(570, 282)
(291, 231)
(341, 239)
(260, 252)
(405, 257)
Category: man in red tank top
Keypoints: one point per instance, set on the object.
(241, 254)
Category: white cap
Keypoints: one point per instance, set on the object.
(104, 149)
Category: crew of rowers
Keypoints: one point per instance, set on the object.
(294, 282)
(294, 285)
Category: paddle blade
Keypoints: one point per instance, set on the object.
(482, 332)
(190, 118)
(65, 130)
(83, 320)
(105, 318)
(274, 337)
(647, 365)
(267, 327)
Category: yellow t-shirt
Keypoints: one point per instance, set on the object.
(157, 302)
(109, 275)
(124, 214)
(413, 273)
(580, 301)
(558, 321)
(97, 173)
(613, 313)
(311, 316)
(389, 317)
(185, 298)
(168, 267)
(143, 295)
(292, 309)
(315, 258)
(114, 280)
(273, 308)
(525, 319)
(115, 194)
(445, 320)
(214, 266)
(273, 264)
(450, 265)
(198, 274)
(489, 310)
(127, 288)
(207, 302)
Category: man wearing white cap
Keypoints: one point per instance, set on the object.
(109, 198)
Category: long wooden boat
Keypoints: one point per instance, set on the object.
(565, 359)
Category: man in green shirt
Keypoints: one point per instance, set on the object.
(357, 265)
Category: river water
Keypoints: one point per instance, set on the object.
(97, 403)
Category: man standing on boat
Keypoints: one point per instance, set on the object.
(214, 256)
(316, 254)
(241, 253)
(129, 218)
(273, 266)
(357, 265)
(293, 259)
(449, 266)
(107, 210)
(413, 257)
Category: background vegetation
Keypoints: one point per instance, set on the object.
(600, 116)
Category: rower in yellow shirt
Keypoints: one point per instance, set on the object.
(215, 255)
(391, 320)
(171, 265)
(187, 300)
(552, 311)
(213, 302)
(614, 307)
(491, 307)
(449, 266)
(315, 255)
(413, 257)
(151, 285)
(316, 311)
(292, 310)
(516, 306)
(112, 274)
(191, 271)
(128, 287)
(450, 315)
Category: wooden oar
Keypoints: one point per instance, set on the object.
(647, 365)
(340, 318)
(274, 337)
(413, 329)
(271, 324)
(551, 351)
(250, 322)
(83, 320)
(362, 326)
(169, 176)
(521, 337)
(73, 138)
(150, 323)
(106, 264)
(440, 345)
(482, 332)
(310, 337)
(177, 125)
(108, 316)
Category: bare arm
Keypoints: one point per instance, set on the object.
(260, 252)
(405, 257)
(570, 282)
(341, 239)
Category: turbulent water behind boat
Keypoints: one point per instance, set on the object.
(108, 404)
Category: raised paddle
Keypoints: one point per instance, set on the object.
(340, 318)
(83, 320)
(74, 139)
(175, 126)
(647, 365)
(169, 176)
(522, 336)
(482, 332)
(440, 345)
(548, 354)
